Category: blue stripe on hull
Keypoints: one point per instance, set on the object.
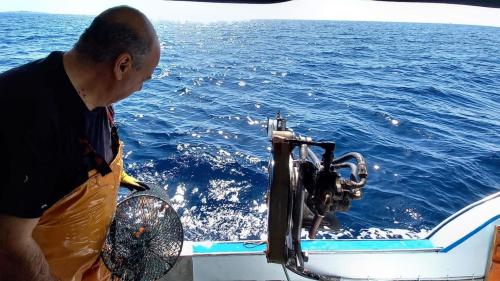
(317, 245)
(470, 234)
(366, 245)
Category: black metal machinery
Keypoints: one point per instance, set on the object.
(301, 184)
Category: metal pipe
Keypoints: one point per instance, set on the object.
(303, 152)
(354, 169)
(350, 155)
(314, 159)
(315, 225)
(362, 171)
(354, 184)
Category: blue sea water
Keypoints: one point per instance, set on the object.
(421, 102)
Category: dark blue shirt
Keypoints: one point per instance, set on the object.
(42, 122)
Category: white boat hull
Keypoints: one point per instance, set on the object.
(457, 249)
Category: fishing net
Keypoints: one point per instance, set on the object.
(144, 239)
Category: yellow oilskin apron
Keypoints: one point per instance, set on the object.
(71, 233)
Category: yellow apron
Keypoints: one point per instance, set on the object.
(71, 233)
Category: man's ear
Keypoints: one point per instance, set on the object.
(123, 63)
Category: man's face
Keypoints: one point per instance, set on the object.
(134, 79)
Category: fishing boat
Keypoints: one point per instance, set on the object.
(462, 247)
(465, 246)
(303, 190)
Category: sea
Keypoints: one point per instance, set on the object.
(421, 103)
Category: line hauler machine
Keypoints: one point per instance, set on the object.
(303, 190)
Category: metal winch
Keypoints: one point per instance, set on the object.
(303, 190)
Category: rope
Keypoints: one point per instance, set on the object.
(286, 273)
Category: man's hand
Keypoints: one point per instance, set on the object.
(20, 256)
(132, 183)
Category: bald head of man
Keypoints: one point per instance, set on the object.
(114, 31)
(113, 56)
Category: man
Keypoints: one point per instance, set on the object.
(62, 164)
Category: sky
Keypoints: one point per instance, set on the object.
(357, 10)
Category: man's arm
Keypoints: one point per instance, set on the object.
(20, 256)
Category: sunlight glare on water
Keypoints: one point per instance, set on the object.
(419, 101)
